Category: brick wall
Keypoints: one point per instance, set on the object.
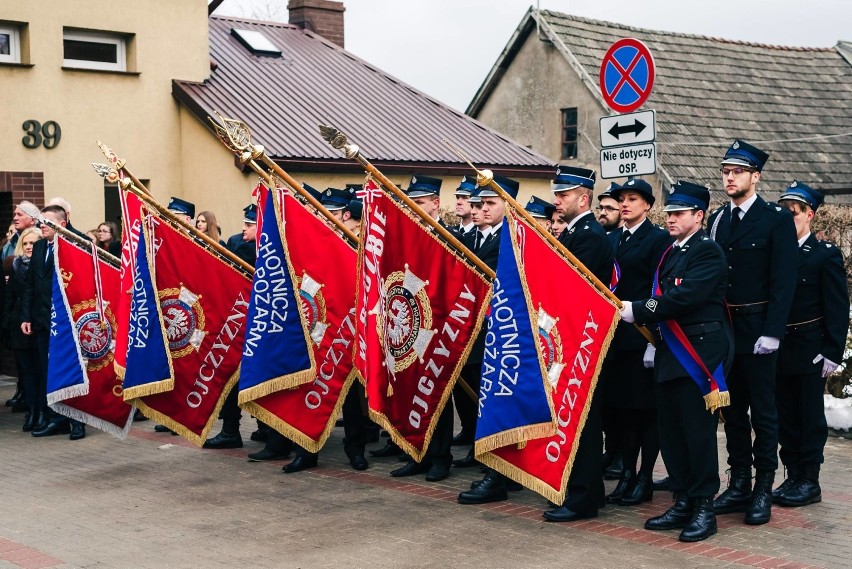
(323, 17)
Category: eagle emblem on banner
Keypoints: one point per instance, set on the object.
(183, 318)
(406, 321)
(96, 335)
(313, 307)
(551, 345)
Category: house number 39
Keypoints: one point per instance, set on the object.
(47, 134)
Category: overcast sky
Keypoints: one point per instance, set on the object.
(445, 48)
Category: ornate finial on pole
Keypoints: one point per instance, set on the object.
(338, 140)
(112, 175)
(118, 163)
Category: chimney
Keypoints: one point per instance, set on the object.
(323, 17)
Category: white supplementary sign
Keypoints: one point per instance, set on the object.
(631, 128)
(634, 160)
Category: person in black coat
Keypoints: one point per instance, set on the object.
(627, 377)
(691, 286)
(759, 241)
(812, 349)
(587, 240)
(36, 302)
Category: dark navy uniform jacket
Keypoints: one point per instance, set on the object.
(245, 250)
(693, 280)
(761, 258)
(638, 259)
(588, 242)
(819, 317)
(488, 253)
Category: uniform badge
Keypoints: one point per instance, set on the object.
(183, 317)
(413, 179)
(313, 307)
(671, 189)
(405, 320)
(631, 182)
(677, 282)
(651, 305)
(550, 343)
(794, 184)
(736, 144)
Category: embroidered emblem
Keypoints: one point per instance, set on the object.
(631, 182)
(413, 179)
(313, 307)
(677, 282)
(651, 305)
(736, 144)
(551, 346)
(405, 324)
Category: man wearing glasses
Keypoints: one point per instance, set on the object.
(609, 212)
(759, 241)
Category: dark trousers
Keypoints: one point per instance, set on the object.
(28, 375)
(231, 412)
(585, 485)
(466, 407)
(640, 435)
(802, 429)
(752, 387)
(439, 451)
(688, 438)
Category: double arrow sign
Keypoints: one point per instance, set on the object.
(632, 128)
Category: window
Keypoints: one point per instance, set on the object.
(569, 133)
(93, 50)
(258, 43)
(10, 44)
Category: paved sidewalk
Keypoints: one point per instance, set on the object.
(155, 501)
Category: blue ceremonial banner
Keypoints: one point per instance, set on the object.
(514, 395)
(149, 369)
(278, 352)
(65, 367)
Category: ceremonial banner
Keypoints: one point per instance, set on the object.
(81, 380)
(420, 307)
(132, 224)
(149, 369)
(324, 265)
(202, 300)
(277, 353)
(576, 323)
(514, 396)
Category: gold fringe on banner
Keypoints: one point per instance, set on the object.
(716, 399)
(295, 434)
(178, 428)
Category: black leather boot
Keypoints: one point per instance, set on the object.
(491, 489)
(640, 491)
(614, 470)
(628, 478)
(303, 461)
(805, 491)
(43, 419)
(678, 516)
(31, 419)
(759, 510)
(662, 484)
(227, 438)
(703, 522)
(738, 495)
(793, 477)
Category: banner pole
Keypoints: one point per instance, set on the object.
(236, 136)
(126, 183)
(338, 140)
(71, 236)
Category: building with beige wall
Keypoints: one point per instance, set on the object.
(144, 84)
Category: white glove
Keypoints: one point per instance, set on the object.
(766, 345)
(648, 358)
(627, 312)
(828, 366)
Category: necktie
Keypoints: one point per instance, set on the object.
(735, 219)
(625, 235)
(49, 252)
(478, 242)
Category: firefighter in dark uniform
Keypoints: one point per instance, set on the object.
(690, 288)
(812, 348)
(542, 211)
(759, 241)
(627, 377)
(463, 206)
(586, 239)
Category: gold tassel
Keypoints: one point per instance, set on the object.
(390, 390)
(522, 445)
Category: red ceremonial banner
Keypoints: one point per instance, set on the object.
(132, 224)
(203, 301)
(91, 290)
(324, 266)
(419, 306)
(576, 323)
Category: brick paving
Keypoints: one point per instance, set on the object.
(156, 501)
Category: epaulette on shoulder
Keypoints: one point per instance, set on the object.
(827, 244)
(772, 206)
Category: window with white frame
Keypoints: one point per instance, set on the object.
(94, 50)
(10, 44)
